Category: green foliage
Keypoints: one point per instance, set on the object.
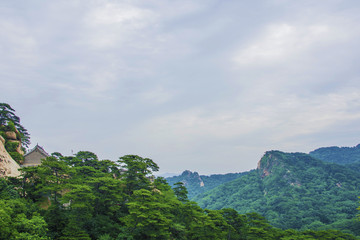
(17, 157)
(10, 122)
(10, 126)
(19, 218)
(180, 191)
(148, 217)
(137, 172)
(11, 146)
(57, 155)
(2, 133)
(7, 191)
(73, 231)
(105, 237)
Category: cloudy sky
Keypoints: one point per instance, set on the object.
(207, 86)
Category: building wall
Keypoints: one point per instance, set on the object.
(34, 158)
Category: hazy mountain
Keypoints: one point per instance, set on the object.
(197, 184)
(339, 155)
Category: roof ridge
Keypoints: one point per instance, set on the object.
(41, 149)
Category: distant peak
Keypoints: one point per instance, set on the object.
(268, 157)
(189, 173)
(266, 163)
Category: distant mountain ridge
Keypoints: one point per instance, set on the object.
(293, 190)
(339, 155)
(197, 184)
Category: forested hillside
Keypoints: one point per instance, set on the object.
(339, 155)
(197, 184)
(293, 190)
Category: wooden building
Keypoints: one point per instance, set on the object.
(34, 156)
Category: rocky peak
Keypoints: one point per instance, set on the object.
(188, 173)
(268, 161)
(191, 177)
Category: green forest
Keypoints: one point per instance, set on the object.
(293, 190)
(339, 155)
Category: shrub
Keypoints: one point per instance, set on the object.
(18, 135)
(17, 157)
(11, 146)
(2, 133)
(11, 126)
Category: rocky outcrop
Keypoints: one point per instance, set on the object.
(11, 135)
(266, 164)
(271, 161)
(8, 167)
(192, 177)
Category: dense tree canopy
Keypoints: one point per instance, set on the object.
(339, 155)
(82, 197)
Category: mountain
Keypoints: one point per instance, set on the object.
(197, 184)
(293, 190)
(339, 155)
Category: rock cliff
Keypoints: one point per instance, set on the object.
(8, 167)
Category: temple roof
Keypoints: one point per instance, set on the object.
(41, 150)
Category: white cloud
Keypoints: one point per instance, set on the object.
(321, 114)
(112, 24)
(277, 121)
(284, 42)
(157, 95)
(17, 45)
(156, 74)
(112, 13)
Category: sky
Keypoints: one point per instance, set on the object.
(207, 86)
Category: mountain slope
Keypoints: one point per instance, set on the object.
(197, 184)
(339, 155)
(292, 190)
